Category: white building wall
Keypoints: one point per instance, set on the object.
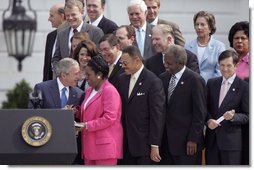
(226, 12)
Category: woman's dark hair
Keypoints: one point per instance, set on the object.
(239, 26)
(99, 65)
(90, 47)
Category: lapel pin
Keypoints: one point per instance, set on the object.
(140, 83)
(182, 82)
(233, 89)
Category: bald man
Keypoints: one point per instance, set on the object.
(56, 17)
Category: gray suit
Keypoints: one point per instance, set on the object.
(148, 49)
(62, 48)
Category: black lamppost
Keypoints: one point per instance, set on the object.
(19, 30)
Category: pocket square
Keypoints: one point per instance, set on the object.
(140, 94)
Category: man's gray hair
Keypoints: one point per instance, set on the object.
(178, 52)
(139, 3)
(64, 66)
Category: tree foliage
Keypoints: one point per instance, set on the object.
(18, 97)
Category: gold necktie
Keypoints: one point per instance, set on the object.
(132, 84)
(111, 67)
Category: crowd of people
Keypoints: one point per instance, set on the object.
(142, 94)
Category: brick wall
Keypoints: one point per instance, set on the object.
(227, 12)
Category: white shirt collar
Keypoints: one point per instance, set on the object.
(180, 73)
(230, 79)
(118, 57)
(143, 28)
(61, 86)
(78, 28)
(155, 21)
(97, 21)
(137, 74)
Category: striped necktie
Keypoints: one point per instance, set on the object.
(171, 86)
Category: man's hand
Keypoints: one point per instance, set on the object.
(191, 148)
(155, 155)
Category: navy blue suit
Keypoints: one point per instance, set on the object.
(51, 96)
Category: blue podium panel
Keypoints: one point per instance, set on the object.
(37, 137)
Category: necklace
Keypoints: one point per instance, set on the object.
(202, 45)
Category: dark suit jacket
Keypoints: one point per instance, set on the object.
(62, 48)
(148, 49)
(47, 69)
(114, 76)
(179, 40)
(228, 135)
(107, 26)
(155, 63)
(51, 96)
(143, 113)
(186, 112)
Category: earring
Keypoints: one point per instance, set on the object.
(99, 77)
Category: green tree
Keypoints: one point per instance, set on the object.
(18, 97)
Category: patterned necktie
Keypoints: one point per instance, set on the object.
(75, 31)
(140, 41)
(171, 86)
(72, 50)
(131, 85)
(223, 91)
(63, 97)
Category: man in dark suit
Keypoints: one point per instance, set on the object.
(67, 73)
(56, 17)
(153, 7)
(228, 109)
(74, 12)
(162, 38)
(143, 110)
(95, 9)
(110, 51)
(137, 12)
(185, 110)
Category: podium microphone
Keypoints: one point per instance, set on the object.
(36, 99)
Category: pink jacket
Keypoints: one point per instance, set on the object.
(104, 137)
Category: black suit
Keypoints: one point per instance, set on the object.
(155, 63)
(47, 69)
(228, 136)
(113, 78)
(143, 115)
(107, 26)
(185, 117)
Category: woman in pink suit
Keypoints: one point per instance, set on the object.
(100, 113)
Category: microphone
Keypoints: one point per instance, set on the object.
(36, 99)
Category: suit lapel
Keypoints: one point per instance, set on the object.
(116, 69)
(54, 92)
(72, 96)
(137, 85)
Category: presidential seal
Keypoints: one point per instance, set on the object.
(36, 131)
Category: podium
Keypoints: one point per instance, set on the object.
(37, 137)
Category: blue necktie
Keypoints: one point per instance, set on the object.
(140, 41)
(63, 97)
